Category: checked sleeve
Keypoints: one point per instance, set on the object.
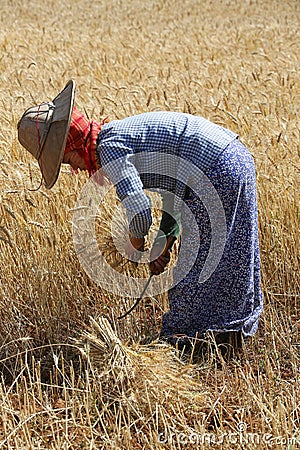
(119, 167)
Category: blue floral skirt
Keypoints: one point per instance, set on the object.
(230, 299)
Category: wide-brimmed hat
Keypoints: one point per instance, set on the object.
(43, 131)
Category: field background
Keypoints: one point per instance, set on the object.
(234, 62)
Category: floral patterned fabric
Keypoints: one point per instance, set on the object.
(230, 299)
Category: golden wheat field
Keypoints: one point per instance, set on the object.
(72, 377)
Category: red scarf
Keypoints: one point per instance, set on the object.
(82, 137)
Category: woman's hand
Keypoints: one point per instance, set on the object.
(133, 244)
(159, 257)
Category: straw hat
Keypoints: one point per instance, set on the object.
(43, 131)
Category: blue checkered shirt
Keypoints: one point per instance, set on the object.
(146, 151)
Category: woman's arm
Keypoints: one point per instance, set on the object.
(117, 161)
(169, 228)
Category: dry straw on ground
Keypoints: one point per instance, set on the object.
(72, 377)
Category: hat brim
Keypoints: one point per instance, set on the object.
(55, 143)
